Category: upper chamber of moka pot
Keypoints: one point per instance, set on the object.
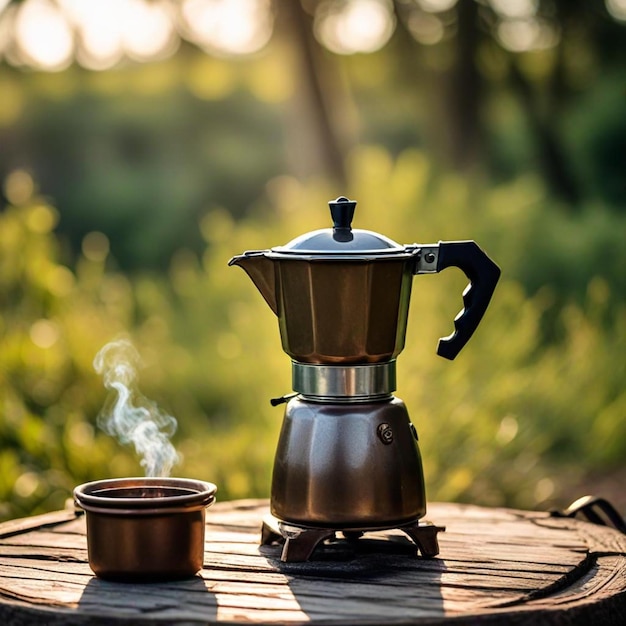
(341, 294)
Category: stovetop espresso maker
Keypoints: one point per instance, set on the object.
(348, 458)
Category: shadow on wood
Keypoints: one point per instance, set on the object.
(165, 602)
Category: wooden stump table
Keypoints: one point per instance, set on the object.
(495, 566)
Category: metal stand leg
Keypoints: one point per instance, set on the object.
(300, 542)
(270, 533)
(424, 534)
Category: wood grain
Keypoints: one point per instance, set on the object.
(495, 566)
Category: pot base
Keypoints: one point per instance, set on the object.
(299, 542)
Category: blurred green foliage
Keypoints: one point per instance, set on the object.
(140, 151)
(536, 399)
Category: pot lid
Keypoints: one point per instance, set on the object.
(341, 239)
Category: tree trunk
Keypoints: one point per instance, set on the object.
(317, 145)
(464, 93)
(552, 158)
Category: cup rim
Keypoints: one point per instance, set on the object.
(195, 494)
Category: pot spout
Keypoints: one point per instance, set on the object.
(260, 269)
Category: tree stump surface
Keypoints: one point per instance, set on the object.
(495, 566)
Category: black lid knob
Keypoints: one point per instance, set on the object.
(342, 212)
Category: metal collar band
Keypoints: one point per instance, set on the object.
(344, 382)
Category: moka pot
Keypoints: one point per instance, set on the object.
(348, 455)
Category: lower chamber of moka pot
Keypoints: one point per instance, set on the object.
(145, 529)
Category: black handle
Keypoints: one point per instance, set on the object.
(483, 274)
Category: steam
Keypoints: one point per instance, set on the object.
(131, 417)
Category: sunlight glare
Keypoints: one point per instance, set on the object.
(515, 9)
(436, 6)
(228, 26)
(617, 9)
(355, 26)
(109, 28)
(100, 38)
(148, 30)
(43, 35)
(527, 34)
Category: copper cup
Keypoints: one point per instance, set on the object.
(145, 529)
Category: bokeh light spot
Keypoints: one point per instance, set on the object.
(26, 485)
(44, 333)
(81, 434)
(507, 431)
(148, 30)
(43, 35)
(99, 28)
(425, 28)
(95, 246)
(522, 35)
(19, 187)
(41, 219)
(60, 281)
(515, 9)
(210, 79)
(544, 489)
(617, 8)
(436, 6)
(355, 26)
(228, 26)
